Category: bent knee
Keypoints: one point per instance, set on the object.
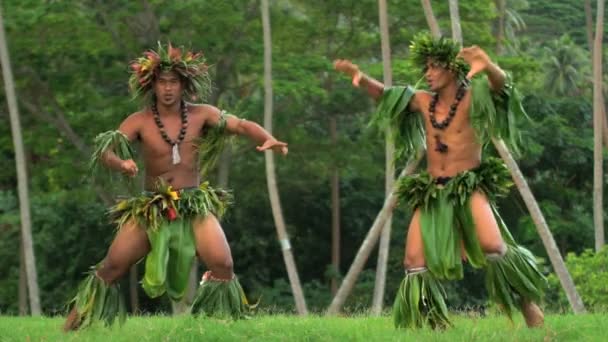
(110, 271)
(223, 266)
(414, 260)
(495, 247)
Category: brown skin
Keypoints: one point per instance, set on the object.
(131, 243)
(464, 150)
(157, 152)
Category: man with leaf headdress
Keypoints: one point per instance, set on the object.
(176, 217)
(469, 100)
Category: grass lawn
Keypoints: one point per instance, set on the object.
(313, 328)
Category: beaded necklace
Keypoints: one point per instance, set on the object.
(176, 159)
(462, 89)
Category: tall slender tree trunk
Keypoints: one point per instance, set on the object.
(368, 244)
(24, 203)
(542, 228)
(385, 240)
(598, 118)
(528, 197)
(335, 206)
(22, 282)
(273, 191)
(589, 26)
(335, 196)
(430, 18)
(455, 20)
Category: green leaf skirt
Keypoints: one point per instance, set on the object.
(167, 215)
(446, 223)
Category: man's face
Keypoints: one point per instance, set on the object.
(168, 88)
(437, 76)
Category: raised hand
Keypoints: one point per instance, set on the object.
(346, 66)
(349, 68)
(275, 145)
(476, 58)
(129, 168)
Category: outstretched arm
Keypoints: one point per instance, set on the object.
(481, 62)
(252, 130)
(373, 87)
(130, 128)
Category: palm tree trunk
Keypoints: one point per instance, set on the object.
(383, 250)
(542, 228)
(335, 207)
(22, 282)
(273, 191)
(589, 26)
(368, 244)
(598, 184)
(604, 121)
(541, 225)
(455, 20)
(430, 18)
(24, 203)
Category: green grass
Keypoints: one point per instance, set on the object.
(313, 328)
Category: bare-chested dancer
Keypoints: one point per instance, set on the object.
(453, 200)
(176, 217)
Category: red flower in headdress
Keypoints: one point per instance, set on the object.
(136, 67)
(191, 56)
(152, 56)
(175, 54)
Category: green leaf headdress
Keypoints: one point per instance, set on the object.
(190, 66)
(443, 51)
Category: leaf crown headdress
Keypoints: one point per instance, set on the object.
(442, 50)
(189, 65)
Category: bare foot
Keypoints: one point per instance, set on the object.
(532, 314)
(72, 322)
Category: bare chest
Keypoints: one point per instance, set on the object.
(448, 120)
(156, 144)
